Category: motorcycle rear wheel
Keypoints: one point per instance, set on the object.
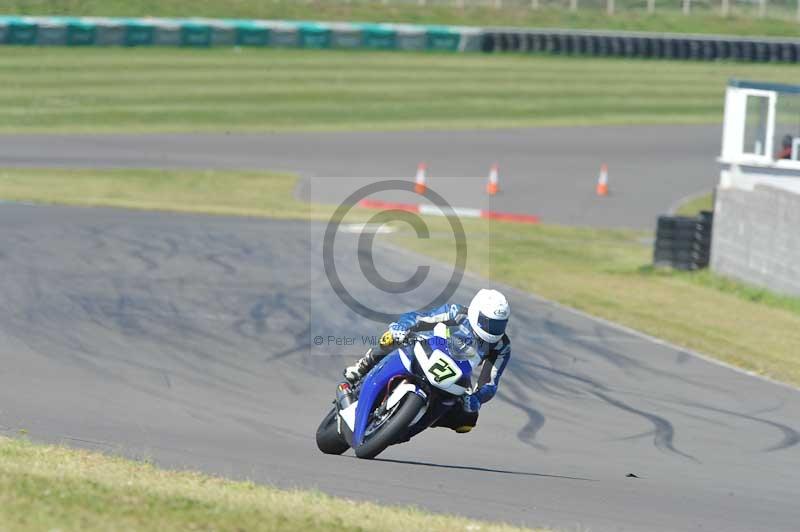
(329, 441)
(393, 429)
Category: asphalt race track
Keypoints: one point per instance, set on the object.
(188, 339)
(549, 172)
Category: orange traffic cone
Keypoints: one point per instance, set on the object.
(420, 185)
(602, 181)
(493, 186)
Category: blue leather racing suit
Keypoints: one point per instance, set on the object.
(494, 357)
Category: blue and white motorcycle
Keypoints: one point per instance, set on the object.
(404, 394)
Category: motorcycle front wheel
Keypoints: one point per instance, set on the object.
(329, 441)
(392, 429)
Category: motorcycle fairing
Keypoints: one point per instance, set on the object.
(373, 384)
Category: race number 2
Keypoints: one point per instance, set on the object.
(441, 371)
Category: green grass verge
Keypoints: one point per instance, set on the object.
(607, 273)
(140, 90)
(602, 272)
(694, 205)
(211, 192)
(630, 14)
(44, 487)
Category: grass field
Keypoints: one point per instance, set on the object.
(607, 273)
(630, 14)
(235, 193)
(130, 90)
(603, 272)
(53, 488)
(692, 206)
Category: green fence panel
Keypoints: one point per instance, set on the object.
(379, 36)
(443, 38)
(202, 32)
(139, 33)
(81, 33)
(315, 36)
(283, 34)
(195, 34)
(408, 37)
(251, 33)
(22, 31)
(4, 22)
(52, 32)
(167, 32)
(345, 35)
(109, 32)
(223, 32)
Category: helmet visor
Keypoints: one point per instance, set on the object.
(492, 326)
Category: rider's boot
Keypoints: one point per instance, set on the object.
(356, 372)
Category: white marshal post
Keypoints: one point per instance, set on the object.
(759, 144)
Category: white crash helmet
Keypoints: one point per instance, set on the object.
(488, 315)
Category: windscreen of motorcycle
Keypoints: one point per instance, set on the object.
(462, 347)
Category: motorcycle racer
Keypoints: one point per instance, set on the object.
(476, 329)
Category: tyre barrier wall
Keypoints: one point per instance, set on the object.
(199, 32)
(195, 32)
(683, 243)
(642, 45)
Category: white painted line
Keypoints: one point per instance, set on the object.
(379, 229)
(433, 210)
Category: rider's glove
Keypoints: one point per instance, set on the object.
(471, 403)
(399, 333)
(386, 339)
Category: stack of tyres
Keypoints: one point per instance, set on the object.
(514, 43)
(683, 243)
